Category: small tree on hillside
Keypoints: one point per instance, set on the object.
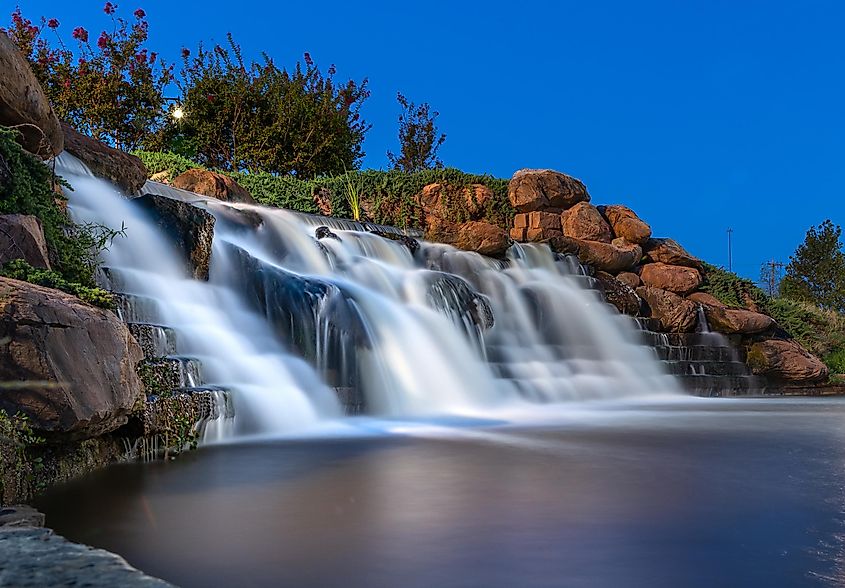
(419, 139)
(816, 271)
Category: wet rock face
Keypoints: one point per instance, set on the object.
(22, 237)
(539, 189)
(125, 170)
(619, 294)
(78, 362)
(189, 228)
(412, 244)
(478, 236)
(674, 278)
(583, 221)
(213, 185)
(24, 105)
(674, 314)
(786, 360)
(325, 233)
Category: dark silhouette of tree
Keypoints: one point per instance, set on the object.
(816, 271)
(419, 139)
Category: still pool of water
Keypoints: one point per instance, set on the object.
(687, 493)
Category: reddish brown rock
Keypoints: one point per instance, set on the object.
(322, 197)
(543, 220)
(70, 367)
(518, 233)
(24, 105)
(479, 236)
(669, 252)
(675, 314)
(22, 237)
(477, 196)
(583, 221)
(630, 279)
(602, 256)
(213, 185)
(125, 170)
(706, 299)
(619, 294)
(786, 360)
(535, 235)
(626, 224)
(520, 220)
(675, 278)
(539, 189)
(737, 320)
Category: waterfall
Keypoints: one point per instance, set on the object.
(289, 322)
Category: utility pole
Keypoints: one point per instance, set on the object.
(730, 252)
(772, 275)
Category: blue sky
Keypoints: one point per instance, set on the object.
(699, 115)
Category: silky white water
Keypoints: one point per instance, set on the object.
(285, 317)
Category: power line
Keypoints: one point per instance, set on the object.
(772, 275)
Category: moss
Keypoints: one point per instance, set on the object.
(159, 376)
(18, 269)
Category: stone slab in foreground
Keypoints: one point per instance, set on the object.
(37, 558)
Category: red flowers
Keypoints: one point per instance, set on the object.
(139, 14)
(80, 34)
(308, 61)
(109, 8)
(53, 23)
(103, 41)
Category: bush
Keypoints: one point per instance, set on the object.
(113, 91)
(18, 269)
(419, 139)
(157, 162)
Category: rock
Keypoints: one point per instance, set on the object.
(125, 170)
(583, 221)
(675, 278)
(786, 360)
(675, 314)
(190, 229)
(20, 515)
(538, 189)
(325, 233)
(212, 184)
(539, 234)
(412, 244)
(444, 204)
(706, 299)
(75, 362)
(479, 236)
(24, 105)
(322, 200)
(626, 224)
(22, 237)
(737, 320)
(477, 196)
(630, 279)
(602, 256)
(619, 294)
(519, 234)
(544, 220)
(669, 252)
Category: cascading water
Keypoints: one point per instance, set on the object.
(286, 316)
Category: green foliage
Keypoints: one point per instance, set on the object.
(112, 90)
(172, 164)
(419, 139)
(836, 361)
(18, 269)
(16, 431)
(158, 376)
(816, 271)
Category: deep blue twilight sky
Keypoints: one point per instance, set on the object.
(699, 115)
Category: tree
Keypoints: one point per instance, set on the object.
(816, 271)
(113, 90)
(258, 117)
(419, 140)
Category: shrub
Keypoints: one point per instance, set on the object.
(419, 139)
(112, 90)
(157, 162)
(816, 271)
(18, 269)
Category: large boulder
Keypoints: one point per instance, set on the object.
(602, 256)
(125, 170)
(190, 229)
(22, 237)
(786, 360)
(630, 279)
(670, 252)
(626, 223)
(538, 189)
(212, 184)
(706, 299)
(444, 204)
(675, 278)
(619, 294)
(479, 236)
(583, 221)
(68, 366)
(675, 314)
(737, 320)
(24, 105)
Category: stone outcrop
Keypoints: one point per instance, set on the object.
(669, 252)
(619, 294)
(75, 363)
(626, 224)
(786, 360)
(125, 170)
(22, 237)
(583, 221)
(213, 185)
(706, 299)
(674, 278)
(479, 236)
(24, 105)
(630, 279)
(189, 228)
(603, 256)
(539, 189)
(674, 314)
(737, 321)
